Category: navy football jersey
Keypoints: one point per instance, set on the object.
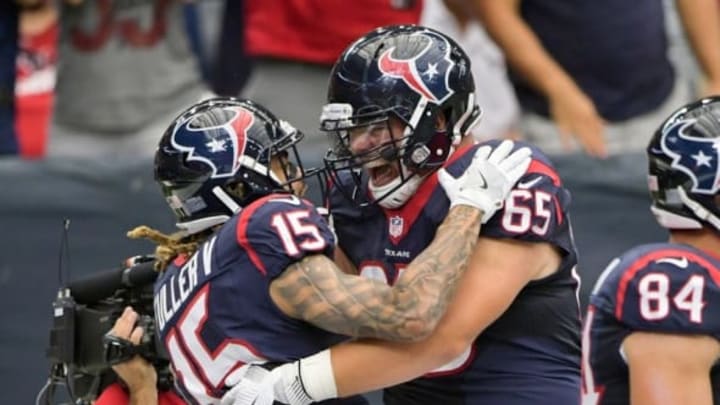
(661, 287)
(531, 354)
(214, 312)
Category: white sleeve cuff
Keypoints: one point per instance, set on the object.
(316, 374)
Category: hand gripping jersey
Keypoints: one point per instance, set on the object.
(214, 312)
(662, 287)
(531, 354)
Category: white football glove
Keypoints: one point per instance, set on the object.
(254, 385)
(488, 179)
(251, 385)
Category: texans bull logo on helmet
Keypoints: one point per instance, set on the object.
(423, 72)
(695, 156)
(223, 144)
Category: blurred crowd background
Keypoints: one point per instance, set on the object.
(87, 87)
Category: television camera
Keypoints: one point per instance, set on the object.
(80, 351)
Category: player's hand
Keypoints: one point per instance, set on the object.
(575, 116)
(254, 385)
(250, 385)
(710, 87)
(137, 373)
(487, 181)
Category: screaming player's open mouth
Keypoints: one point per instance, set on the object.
(382, 173)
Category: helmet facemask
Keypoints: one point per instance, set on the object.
(400, 74)
(370, 147)
(410, 151)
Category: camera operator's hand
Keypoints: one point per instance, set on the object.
(137, 373)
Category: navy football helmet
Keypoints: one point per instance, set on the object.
(215, 159)
(684, 172)
(408, 73)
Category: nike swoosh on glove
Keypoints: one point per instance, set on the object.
(488, 179)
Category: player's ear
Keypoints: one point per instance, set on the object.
(237, 189)
(440, 121)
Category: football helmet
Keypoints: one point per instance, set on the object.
(216, 158)
(684, 172)
(408, 73)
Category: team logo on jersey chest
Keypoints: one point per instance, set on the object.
(397, 225)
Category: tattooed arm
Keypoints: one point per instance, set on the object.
(316, 291)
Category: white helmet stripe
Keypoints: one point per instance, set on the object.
(226, 199)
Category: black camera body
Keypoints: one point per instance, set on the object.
(86, 310)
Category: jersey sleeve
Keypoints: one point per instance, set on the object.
(668, 291)
(535, 210)
(282, 230)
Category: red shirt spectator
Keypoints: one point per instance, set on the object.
(318, 31)
(35, 80)
(115, 394)
(293, 45)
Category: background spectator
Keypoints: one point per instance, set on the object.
(294, 45)
(596, 75)
(35, 81)
(9, 12)
(495, 94)
(232, 64)
(126, 68)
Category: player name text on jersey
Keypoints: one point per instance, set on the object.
(172, 295)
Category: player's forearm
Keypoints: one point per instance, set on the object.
(316, 291)
(343, 370)
(367, 365)
(347, 369)
(522, 48)
(701, 19)
(429, 282)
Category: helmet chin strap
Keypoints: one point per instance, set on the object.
(700, 211)
(395, 194)
(670, 220)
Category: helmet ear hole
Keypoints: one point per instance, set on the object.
(237, 190)
(441, 120)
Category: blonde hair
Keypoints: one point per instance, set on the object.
(168, 246)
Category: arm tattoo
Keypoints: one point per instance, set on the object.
(318, 292)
